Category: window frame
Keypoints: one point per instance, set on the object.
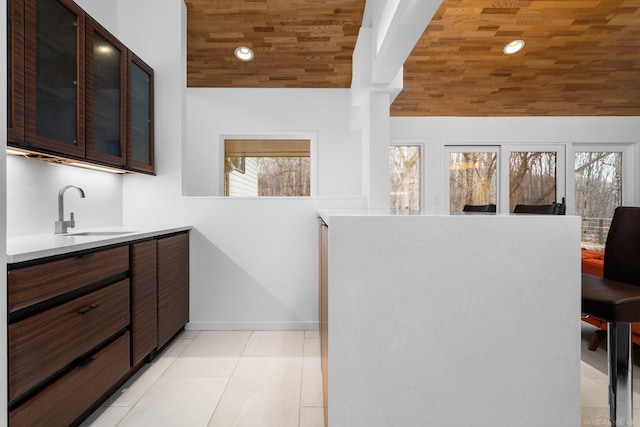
(311, 136)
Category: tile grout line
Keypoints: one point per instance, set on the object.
(125, 416)
(230, 377)
(304, 338)
(156, 380)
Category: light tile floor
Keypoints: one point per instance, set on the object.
(224, 378)
(271, 379)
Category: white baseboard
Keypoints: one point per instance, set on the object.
(252, 326)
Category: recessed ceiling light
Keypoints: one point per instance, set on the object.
(512, 47)
(244, 53)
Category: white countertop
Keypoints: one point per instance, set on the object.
(30, 247)
(326, 214)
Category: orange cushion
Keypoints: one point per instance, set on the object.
(596, 322)
(592, 255)
(594, 267)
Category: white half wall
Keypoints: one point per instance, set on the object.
(430, 320)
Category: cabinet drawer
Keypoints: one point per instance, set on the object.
(41, 345)
(65, 400)
(31, 285)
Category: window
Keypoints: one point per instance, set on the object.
(504, 175)
(267, 167)
(532, 178)
(472, 178)
(598, 191)
(404, 164)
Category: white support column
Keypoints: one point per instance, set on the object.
(377, 146)
(397, 32)
(391, 30)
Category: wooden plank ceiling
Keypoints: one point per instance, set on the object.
(582, 57)
(297, 43)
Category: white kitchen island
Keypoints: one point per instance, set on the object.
(452, 320)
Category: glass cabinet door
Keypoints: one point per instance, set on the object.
(15, 69)
(54, 86)
(105, 96)
(140, 116)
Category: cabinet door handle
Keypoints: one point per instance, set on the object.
(88, 309)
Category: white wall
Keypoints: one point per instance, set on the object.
(32, 196)
(253, 261)
(436, 132)
(212, 113)
(105, 12)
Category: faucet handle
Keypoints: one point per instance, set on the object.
(72, 222)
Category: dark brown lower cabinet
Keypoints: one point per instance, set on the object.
(81, 324)
(173, 285)
(64, 402)
(144, 296)
(37, 283)
(42, 345)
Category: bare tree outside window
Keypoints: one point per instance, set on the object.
(472, 179)
(283, 176)
(404, 164)
(598, 187)
(532, 178)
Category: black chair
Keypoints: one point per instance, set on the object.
(552, 209)
(561, 209)
(615, 298)
(479, 208)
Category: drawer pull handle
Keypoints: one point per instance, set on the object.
(89, 309)
(85, 361)
(85, 256)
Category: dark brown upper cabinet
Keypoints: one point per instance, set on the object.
(74, 92)
(15, 71)
(139, 115)
(105, 78)
(53, 76)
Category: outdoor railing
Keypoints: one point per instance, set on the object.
(594, 233)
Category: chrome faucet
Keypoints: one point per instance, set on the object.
(61, 224)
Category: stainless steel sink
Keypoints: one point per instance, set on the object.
(98, 233)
